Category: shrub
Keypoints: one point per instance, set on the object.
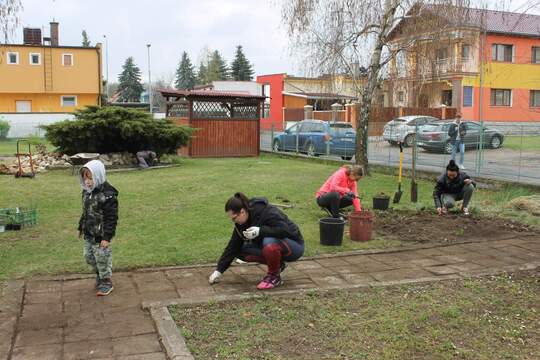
(116, 129)
(4, 129)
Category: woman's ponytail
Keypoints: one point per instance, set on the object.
(236, 203)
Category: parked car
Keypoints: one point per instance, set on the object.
(434, 137)
(403, 129)
(316, 137)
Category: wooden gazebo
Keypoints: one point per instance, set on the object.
(227, 124)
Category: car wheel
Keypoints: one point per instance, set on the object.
(347, 158)
(495, 142)
(409, 140)
(448, 147)
(392, 143)
(311, 150)
(276, 146)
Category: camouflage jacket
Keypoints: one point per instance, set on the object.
(99, 213)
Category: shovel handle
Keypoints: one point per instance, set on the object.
(400, 161)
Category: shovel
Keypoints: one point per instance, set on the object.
(397, 195)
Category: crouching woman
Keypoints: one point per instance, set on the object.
(262, 233)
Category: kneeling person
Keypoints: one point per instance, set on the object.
(262, 233)
(453, 186)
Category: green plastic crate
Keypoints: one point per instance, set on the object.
(22, 216)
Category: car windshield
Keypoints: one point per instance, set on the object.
(341, 129)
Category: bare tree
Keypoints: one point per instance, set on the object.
(334, 35)
(9, 20)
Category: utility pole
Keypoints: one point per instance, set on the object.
(107, 65)
(149, 80)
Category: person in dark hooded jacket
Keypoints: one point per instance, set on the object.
(98, 222)
(452, 186)
(262, 233)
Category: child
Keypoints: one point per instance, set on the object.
(98, 222)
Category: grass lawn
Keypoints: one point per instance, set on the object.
(9, 147)
(176, 215)
(525, 143)
(482, 318)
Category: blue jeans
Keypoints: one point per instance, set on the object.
(290, 249)
(458, 144)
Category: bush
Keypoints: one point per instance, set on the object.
(4, 129)
(116, 129)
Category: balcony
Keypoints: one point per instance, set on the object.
(437, 68)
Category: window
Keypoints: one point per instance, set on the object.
(446, 97)
(442, 54)
(501, 97)
(67, 59)
(266, 104)
(13, 58)
(69, 100)
(467, 96)
(318, 128)
(35, 59)
(470, 126)
(465, 51)
(535, 58)
(23, 106)
(535, 98)
(501, 52)
(401, 96)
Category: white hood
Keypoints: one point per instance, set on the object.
(97, 169)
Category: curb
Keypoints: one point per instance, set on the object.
(174, 343)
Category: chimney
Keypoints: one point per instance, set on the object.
(32, 36)
(54, 33)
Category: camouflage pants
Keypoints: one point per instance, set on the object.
(98, 258)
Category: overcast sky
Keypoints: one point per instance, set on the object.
(173, 26)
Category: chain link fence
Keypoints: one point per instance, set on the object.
(506, 152)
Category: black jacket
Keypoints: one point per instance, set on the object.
(453, 131)
(100, 213)
(272, 223)
(446, 186)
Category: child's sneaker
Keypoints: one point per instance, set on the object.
(269, 282)
(105, 288)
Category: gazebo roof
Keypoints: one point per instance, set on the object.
(208, 95)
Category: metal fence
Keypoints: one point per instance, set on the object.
(507, 152)
(28, 124)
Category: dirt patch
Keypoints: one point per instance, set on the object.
(428, 227)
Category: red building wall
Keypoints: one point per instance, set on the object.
(276, 82)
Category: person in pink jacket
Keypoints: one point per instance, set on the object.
(340, 191)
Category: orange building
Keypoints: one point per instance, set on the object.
(489, 72)
(42, 76)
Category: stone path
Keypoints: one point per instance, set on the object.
(61, 318)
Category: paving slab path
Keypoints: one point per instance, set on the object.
(60, 318)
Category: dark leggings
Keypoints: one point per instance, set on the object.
(272, 252)
(332, 201)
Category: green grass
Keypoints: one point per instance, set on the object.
(485, 318)
(175, 215)
(9, 147)
(525, 143)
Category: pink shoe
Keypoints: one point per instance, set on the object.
(269, 282)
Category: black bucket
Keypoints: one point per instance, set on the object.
(381, 203)
(331, 231)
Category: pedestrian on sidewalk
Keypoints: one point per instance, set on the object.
(262, 233)
(454, 185)
(146, 158)
(98, 223)
(340, 191)
(456, 133)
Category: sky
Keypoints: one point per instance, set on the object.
(173, 26)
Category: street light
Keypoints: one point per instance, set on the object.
(149, 79)
(107, 64)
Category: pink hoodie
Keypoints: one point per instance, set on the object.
(340, 182)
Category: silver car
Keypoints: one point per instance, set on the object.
(403, 129)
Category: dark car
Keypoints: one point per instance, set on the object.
(316, 137)
(434, 137)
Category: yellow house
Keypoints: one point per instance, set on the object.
(41, 76)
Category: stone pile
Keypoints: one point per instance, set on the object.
(123, 158)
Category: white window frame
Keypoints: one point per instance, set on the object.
(65, 96)
(9, 53)
(72, 59)
(30, 59)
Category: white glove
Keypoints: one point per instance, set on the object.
(214, 278)
(252, 232)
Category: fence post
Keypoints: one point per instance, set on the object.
(443, 112)
(297, 133)
(308, 112)
(335, 108)
(272, 138)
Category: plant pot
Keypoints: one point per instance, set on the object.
(381, 202)
(15, 226)
(331, 230)
(361, 225)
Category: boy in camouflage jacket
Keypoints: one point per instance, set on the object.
(98, 222)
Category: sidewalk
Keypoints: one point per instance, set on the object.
(61, 318)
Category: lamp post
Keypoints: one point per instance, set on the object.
(149, 80)
(107, 64)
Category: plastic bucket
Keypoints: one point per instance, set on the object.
(361, 225)
(381, 203)
(331, 230)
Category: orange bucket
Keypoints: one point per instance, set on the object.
(361, 225)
